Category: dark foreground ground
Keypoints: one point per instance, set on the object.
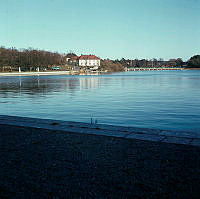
(36, 163)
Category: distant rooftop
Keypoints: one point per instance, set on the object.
(89, 57)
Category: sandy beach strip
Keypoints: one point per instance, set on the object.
(37, 73)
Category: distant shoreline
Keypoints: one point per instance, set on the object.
(47, 73)
(65, 73)
(34, 73)
(192, 68)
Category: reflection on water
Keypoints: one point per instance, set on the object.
(154, 99)
(44, 85)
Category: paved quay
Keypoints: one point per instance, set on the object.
(176, 137)
(59, 159)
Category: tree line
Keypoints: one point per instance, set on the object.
(151, 63)
(28, 59)
(119, 65)
(193, 62)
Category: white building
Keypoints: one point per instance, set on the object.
(89, 61)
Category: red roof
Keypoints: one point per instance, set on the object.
(74, 58)
(89, 57)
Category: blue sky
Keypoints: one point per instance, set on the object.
(108, 28)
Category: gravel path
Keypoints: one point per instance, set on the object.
(38, 163)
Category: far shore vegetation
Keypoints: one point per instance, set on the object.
(30, 59)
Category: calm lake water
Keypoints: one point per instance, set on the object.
(152, 99)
